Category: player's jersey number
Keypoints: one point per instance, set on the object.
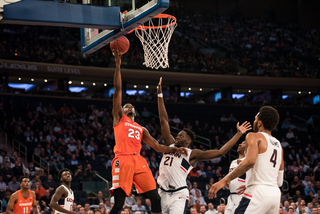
(25, 210)
(134, 134)
(168, 161)
(273, 158)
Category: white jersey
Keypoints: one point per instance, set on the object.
(265, 170)
(174, 169)
(235, 183)
(67, 202)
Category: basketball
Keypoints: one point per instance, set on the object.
(121, 43)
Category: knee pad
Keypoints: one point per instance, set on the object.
(155, 201)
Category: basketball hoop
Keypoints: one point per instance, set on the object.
(155, 40)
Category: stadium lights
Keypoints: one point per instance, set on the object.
(82, 83)
(70, 82)
(309, 92)
(189, 89)
(45, 80)
(94, 84)
(147, 86)
(200, 89)
(32, 79)
(135, 86)
(19, 78)
(299, 92)
(249, 91)
(105, 84)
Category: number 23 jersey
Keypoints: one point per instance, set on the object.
(128, 135)
(174, 169)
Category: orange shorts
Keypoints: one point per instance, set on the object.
(128, 169)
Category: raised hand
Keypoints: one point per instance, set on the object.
(117, 56)
(246, 126)
(159, 88)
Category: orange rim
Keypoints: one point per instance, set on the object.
(161, 15)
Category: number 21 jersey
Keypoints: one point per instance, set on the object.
(128, 135)
(265, 170)
(174, 169)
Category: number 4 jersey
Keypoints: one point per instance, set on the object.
(128, 135)
(174, 169)
(265, 170)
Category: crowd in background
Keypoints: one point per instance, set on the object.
(83, 142)
(202, 42)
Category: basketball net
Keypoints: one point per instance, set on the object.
(155, 40)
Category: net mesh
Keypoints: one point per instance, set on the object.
(155, 41)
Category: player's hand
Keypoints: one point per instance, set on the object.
(241, 189)
(159, 88)
(182, 151)
(117, 56)
(216, 187)
(239, 161)
(246, 126)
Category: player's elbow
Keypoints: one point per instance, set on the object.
(251, 162)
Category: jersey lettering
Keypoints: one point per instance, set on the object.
(273, 158)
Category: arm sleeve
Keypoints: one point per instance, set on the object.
(280, 178)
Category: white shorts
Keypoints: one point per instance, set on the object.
(260, 199)
(233, 202)
(174, 202)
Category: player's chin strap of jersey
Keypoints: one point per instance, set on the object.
(173, 190)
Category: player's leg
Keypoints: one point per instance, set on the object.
(179, 202)
(144, 183)
(229, 208)
(122, 177)
(274, 208)
(155, 201)
(119, 198)
(165, 199)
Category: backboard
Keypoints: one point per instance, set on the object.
(133, 14)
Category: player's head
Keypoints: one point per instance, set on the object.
(266, 119)
(241, 147)
(24, 182)
(184, 138)
(65, 175)
(128, 110)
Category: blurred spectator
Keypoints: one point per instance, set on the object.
(5, 199)
(39, 190)
(211, 209)
(50, 184)
(45, 200)
(99, 199)
(194, 189)
(14, 185)
(138, 206)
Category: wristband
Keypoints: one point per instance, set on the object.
(160, 95)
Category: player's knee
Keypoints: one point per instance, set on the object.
(155, 201)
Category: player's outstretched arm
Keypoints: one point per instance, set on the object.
(12, 200)
(117, 111)
(34, 204)
(245, 165)
(198, 155)
(56, 197)
(148, 139)
(163, 116)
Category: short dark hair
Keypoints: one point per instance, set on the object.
(269, 117)
(96, 210)
(23, 177)
(64, 170)
(190, 133)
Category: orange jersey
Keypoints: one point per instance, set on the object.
(128, 135)
(23, 206)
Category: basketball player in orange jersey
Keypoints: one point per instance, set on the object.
(63, 192)
(128, 166)
(22, 200)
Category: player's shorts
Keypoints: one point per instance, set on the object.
(174, 202)
(233, 202)
(260, 199)
(131, 168)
